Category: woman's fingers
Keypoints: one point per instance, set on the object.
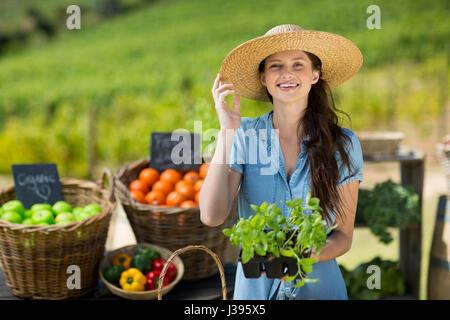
(222, 87)
(216, 83)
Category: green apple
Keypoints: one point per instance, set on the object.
(28, 213)
(77, 210)
(64, 216)
(14, 205)
(64, 221)
(61, 206)
(41, 206)
(93, 208)
(43, 217)
(81, 215)
(27, 221)
(12, 216)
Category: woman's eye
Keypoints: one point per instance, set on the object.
(274, 66)
(298, 65)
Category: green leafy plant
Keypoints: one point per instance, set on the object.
(387, 205)
(295, 236)
(392, 281)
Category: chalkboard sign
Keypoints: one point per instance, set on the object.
(177, 150)
(37, 183)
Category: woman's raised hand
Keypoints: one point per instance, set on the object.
(229, 119)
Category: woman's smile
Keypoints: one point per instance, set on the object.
(287, 87)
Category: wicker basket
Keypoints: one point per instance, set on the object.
(375, 143)
(36, 259)
(172, 227)
(141, 295)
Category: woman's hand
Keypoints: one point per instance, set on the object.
(229, 119)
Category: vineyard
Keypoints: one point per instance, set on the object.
(91, 97)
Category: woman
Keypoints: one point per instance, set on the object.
(294, 69)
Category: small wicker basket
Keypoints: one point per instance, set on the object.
(375, 143)
(37, 259)
(172, 227)
(175, 255)
(141, 295)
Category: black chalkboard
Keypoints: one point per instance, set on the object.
(37, 183)
(176, 150)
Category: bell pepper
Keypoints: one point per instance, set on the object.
(122, 259)
(151, 253)
(112, 273)
(153, 280)
(132, 280)
(171, 273)
(142, 262)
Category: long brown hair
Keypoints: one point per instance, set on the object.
(320, 122)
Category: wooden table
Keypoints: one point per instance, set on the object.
(206, 289)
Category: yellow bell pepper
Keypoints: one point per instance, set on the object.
(133, 280)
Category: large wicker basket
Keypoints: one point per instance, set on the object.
(38, 261)
(172, 227)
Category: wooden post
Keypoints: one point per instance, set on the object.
(412, 174)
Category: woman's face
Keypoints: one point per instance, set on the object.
(288, 75)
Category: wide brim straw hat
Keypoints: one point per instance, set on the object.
(341, 59)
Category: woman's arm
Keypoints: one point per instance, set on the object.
(340, 241)
(220, 185)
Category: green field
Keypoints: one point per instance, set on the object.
(153, 70)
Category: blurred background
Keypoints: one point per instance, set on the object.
(90, 98)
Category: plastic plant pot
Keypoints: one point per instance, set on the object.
(275, 268)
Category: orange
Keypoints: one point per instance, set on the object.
(188, 204)
(149, 176)
(198, 185)
(138, 185)
(204, 170)
(170, 175)
(138, 196)
(196, 198)
(175, 199)
(182, 183)
(192, 176)
(186, 190)
(155, 197)
(163, 186)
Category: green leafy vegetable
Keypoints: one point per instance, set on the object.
(387, 205)
(392, 281)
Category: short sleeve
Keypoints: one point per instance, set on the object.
(355, 156)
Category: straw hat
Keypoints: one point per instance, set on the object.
(340, 58)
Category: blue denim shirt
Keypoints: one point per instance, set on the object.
(256, 153)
